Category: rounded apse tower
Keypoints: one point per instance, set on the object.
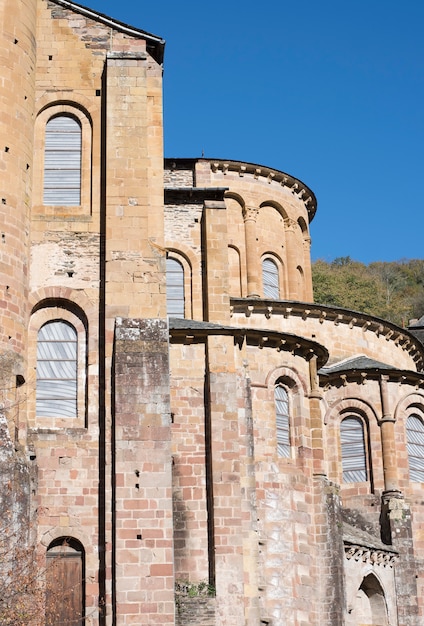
(17, 57)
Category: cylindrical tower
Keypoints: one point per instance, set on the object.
(17, 59)
(17, 93)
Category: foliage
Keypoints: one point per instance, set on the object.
(26, 580)
(390, 290)
(192, 590)
(186, 589)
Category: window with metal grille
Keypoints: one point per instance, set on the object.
(174, 288)
(415, 446)
(62, 161)
(282, 420)
(57, 351)
(270, 280)
(354, 462)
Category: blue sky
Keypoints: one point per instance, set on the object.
(327, 90)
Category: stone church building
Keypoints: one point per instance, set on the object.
(184, 435)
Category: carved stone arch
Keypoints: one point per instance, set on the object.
(303, 227)
(181, 250)
(232, 195)
(295, 380)
(275, 205)
(62, 303)
(412, 402)
(79, 101)
(275, 257)
(350, 405)
(71, 297)
(53, 534)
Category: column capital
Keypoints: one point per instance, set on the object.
(250, 213)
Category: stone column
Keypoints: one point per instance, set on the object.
(292, 259)
(388, 443)
(308, 293)
(250, 215)
(315, 397)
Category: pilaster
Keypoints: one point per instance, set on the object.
(142, 518)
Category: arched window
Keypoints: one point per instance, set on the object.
(65, 593)
(62, 161)
(415, 446)
(234, 272)
(174, 288)
(57, 358)
(270, 279)
(282, 420)
(352, 440)
(369, 606)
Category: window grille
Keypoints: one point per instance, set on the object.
(56, 370)
(415, 447)
(270, 280)
(353, 450)
(174, 288)
(62, 162)
(282, 421)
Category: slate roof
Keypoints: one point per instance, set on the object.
(358, 537)
(361, 363)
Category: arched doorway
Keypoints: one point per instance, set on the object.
(65, 595)
(370, 604)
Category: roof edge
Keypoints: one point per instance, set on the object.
(296, 186)
(157, 44)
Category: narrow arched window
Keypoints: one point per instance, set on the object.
(352, 441)
(415, 446)
(64, 581)
(282, 420)
(270, 279)
(174, 288)
(62, 161)
(57, 357)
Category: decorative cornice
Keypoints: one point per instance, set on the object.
(188, 331)
(372, 556)
(265, 174)
(296, 186)
(336, 316)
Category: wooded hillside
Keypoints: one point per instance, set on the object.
(391, 290)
